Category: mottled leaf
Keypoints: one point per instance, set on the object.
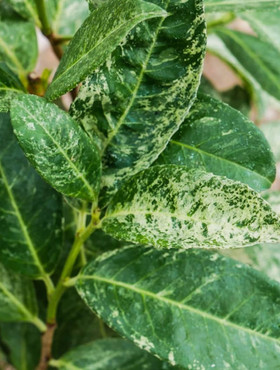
(193, 308)
(219, 139)
(271, 131)
(18, 44)
(240, 5)
(17, 298)
(23, 344)
(25, 8)
(67, 15)
(57, 147)
(136, 101)
(98, 36)
(30, 212)
(258, 57)
(169, 206)
(116, 354)
(10, 86)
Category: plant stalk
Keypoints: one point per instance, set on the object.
(42, 13)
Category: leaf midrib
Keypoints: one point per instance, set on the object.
(23, 227)
(12, 56)
(200, 151)
(181, 306)
(80, 174)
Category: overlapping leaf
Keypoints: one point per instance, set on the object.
(136, 101)
(99, 35)
(239, 5)
(192, 308)
(219, 139)
(30, 211)
(271, 131)
(10, 86)
(25, 8)
(57, 147)
(17, 297)
(116, 354)
(169, 206)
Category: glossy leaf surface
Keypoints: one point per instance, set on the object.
(116, 354)
(17, 298)
(257, 56)
(169, 206)
(219, 139)
(99, 35)
(30, 211)
(10, 86)
(192, 308)
(271, 131)
(57, 147)
(136, 101)
(239, 5)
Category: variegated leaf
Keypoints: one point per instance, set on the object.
(194, 309)
(219, 139)
(57, 147)
(169, 206)
(98, 36)
(136, 101)
(30, 212)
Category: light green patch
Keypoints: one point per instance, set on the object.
(240, 5)
(10, 87)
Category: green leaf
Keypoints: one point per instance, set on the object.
(67, 15)
(169, 206)
(57, 147)
(239, 5)
(18, 45)
(271, 131)
(116, 354)
(193, 308)
(216, 46)
(23, 343)
(26, 8)
(17, 298)
(10, 87)
(99, 35)
(30, 212)
(135, 102)
(219, 139)
(257, 56)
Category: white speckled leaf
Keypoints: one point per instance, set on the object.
(219, 139)
(240, 5)
(10, 87)
(98, 36)
(30, 212)
(17, 297)
(57, 147)
(115, 354)
(169, 206)
(195, 309)
(18, 44)
(137, 100)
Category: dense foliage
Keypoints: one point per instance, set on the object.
(137, 230)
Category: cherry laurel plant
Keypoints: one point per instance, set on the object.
(137, 229)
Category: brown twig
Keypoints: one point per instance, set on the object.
(46, 352)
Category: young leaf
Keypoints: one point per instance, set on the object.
(135, 102)
(239, 5)
(10, 86)
(99, 35)
(17, 298)
(23, 344)
(192, 308)
(219, 139)
(105, 354)
(18, 45)
(257, 56)
(30, 212)
(57, 147)
(271, 131)
(169, 206)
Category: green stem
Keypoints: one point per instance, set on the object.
(227, 18)
(40, 325)
(42, 13)
(82, 234)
